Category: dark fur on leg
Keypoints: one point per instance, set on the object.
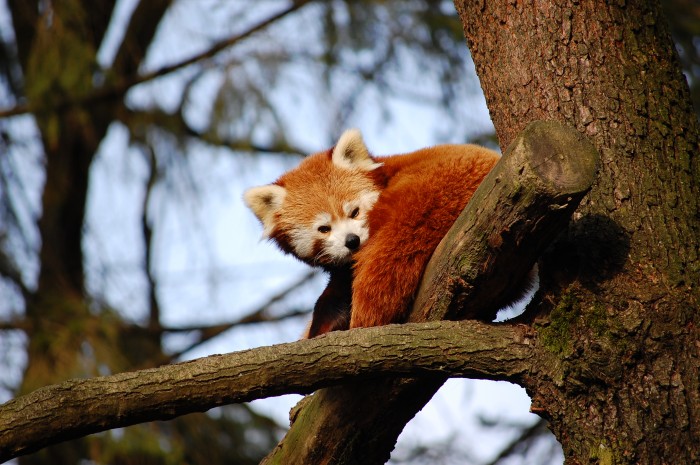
(332, 309)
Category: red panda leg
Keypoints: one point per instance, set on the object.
(332, 309)
(384, 283)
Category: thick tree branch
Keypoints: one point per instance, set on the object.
(516, 212)
(79, 407)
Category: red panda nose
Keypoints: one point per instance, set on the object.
(352, 241)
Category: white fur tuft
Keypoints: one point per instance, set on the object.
(351, 153)
(264, 201)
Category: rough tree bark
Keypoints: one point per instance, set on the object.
(79, 407)
(619, 300)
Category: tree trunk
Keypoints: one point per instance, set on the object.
(619, 297)
(58, 66)
(59, 61)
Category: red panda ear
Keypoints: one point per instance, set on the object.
(350, 152)
(264, 201)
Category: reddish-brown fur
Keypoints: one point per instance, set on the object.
(425, 192)
(420, 195)
(311, 184)
(315, 185)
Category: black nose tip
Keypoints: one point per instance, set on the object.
(352, 241)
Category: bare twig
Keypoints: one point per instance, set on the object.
(522, 441)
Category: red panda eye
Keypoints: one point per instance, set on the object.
(324, 229)
(355, 212)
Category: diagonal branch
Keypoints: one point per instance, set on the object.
(522, 441)
(80, 407)
(139, 34)
(175, 123)
(221, 45)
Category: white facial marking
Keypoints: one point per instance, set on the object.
(302, 241)
(335, 247)
(322, 219)
(367, 200)
(350, 152)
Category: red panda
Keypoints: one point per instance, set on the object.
(371, 222)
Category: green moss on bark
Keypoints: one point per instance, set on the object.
(556, 333)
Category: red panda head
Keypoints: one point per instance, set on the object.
(318, 210)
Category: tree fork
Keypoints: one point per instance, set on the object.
(523, 203)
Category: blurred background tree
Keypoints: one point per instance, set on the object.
(128, 131)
